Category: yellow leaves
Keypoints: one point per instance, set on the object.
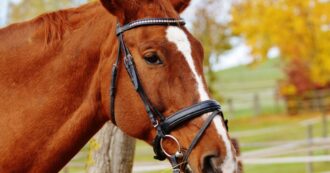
(93, 146)
(321, 75)
(299, 28)
(288, 90)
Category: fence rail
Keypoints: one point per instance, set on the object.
(310, 101)
(288, 160)
(267, 153)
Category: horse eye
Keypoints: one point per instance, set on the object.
(153, 59)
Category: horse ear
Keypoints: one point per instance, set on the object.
(115, 8)
(180, 5)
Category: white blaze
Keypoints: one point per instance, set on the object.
(180, 39)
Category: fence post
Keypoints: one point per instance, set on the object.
(276, 102)
(231, 107)
(325, 126)
(316, 102)
(65, 169)
(325, 129)
(322, 108)
(256, 102)
(309, 131)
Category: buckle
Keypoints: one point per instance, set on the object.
(155, 124)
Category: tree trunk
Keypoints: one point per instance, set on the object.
(111, 151)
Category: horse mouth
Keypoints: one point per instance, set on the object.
(210, 165)
(188, 169)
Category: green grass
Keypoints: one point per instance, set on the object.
(241, 84)
(248, 112)
(289, 128)
(143, 152)
(268, 70)
(285, 168)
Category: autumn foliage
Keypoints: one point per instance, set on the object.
(300, 29)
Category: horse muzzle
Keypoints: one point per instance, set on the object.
(211, 164)
(214, 164)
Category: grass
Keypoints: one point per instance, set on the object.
(287, 128)
(268, 70)
(243, 83)
(143, 152)
(285, 168)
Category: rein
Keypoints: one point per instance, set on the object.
(163, 125)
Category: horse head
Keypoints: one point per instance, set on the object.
(167, 61)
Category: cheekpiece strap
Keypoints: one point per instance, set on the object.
(150, 21)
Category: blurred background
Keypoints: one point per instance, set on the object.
(266, 61)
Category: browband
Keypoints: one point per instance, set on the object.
(150, 21)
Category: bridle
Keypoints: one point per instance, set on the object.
(163, 125)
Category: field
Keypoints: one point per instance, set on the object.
(281, 128)
(243, 85)
(268, 127)
(271, 129)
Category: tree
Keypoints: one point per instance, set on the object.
(298, 28)
(214, 35)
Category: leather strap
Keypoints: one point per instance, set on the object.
(159, 154)
(198, 136)
(153, 113)
(166, 125)
(150, 21)
(113, 86)
(189, 113)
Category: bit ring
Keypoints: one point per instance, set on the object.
(173, 139)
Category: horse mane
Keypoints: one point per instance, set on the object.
(51, 27)
(56, 24)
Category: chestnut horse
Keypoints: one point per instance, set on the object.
(54, 85)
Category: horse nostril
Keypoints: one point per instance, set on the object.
(211, 164)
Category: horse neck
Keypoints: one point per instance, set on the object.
(50, 93)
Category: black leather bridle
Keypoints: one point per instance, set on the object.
(163, 125)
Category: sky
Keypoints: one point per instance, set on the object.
(4, 4)
(238, 56)
(3, 12)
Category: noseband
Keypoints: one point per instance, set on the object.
(163, 125)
